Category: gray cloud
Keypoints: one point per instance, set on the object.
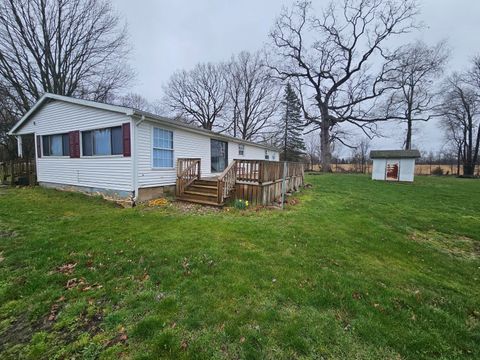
(169, 35)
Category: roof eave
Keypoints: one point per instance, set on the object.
(173, 123)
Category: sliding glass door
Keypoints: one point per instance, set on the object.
(219, 154)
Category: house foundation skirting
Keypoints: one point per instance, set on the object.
(149, 193)
(120, 196)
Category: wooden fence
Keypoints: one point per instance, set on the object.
(261, 181)
(420, 169)
(18, 172)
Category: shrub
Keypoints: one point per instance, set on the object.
(240, 204)
(438, 171)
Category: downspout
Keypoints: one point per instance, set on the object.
(135, 157)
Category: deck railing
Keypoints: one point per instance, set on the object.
(188, 170)
(263, 171)
(226, 182)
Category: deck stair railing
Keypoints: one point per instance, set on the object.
(226, 182)
(188, 170)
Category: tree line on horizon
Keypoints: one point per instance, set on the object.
(322, 73)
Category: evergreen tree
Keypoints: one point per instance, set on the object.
(293, 145)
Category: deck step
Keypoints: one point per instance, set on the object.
(203, 188)
(199, 201)
(200, 193)
(206, 182)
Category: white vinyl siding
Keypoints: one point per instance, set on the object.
(186, 144)
(107, 172)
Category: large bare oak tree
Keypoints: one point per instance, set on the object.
(253, 95)
(461, 118)
(199, 95)
(417, 69)
(330, 54)
(66, 47)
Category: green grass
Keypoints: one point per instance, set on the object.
(358, 269)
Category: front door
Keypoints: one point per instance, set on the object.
(219, 154)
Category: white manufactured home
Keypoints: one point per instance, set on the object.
(394, 165)
(130, 154)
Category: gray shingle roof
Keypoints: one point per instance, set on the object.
(394, 154)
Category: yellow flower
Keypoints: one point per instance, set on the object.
(246, 202)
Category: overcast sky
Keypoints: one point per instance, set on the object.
(168, 35)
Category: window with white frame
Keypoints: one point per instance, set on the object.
(102, 142)
(266, 155)
(241, 149)
(56, 145)
(162, 148)
(273, 156)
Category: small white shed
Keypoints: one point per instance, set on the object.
(394, 165)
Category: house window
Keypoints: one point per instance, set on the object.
(273, 156)
(241, 149)
(56, 145)
(162, 148)
(266, 155)
(106, 141)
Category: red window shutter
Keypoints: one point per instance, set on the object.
(74, 143)
(39, 146)
(127, 149)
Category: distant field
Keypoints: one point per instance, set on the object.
(356, 269)
(420, 169)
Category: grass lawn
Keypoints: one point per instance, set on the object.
(357, 269)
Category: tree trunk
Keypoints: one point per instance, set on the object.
(408, 140)
(325, 148)
(325, 145)
(468, 170)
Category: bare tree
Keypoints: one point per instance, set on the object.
(417, 68)
(461, 120)
(312, 149)
(66, 47)
(199, 95)
(135, 101)
(329, 56)
(253, 95)
(360, 154)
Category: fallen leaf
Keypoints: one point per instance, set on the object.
(184, 345)
(67, 268)
(242, 339)
(53, 312)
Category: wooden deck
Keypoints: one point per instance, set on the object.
(258, 181)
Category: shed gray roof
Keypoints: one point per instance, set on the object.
(394, 154)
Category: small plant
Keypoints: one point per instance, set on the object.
(438, 171)
(240, 204)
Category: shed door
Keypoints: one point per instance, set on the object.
(392, 170)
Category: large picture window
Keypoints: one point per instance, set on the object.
(99, 142)
(56, 145)
(162, 148)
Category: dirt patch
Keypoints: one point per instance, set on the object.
(454, 245)
(7, 234)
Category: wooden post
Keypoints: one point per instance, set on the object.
(4, 173)
(12, 172)
(284, 182)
